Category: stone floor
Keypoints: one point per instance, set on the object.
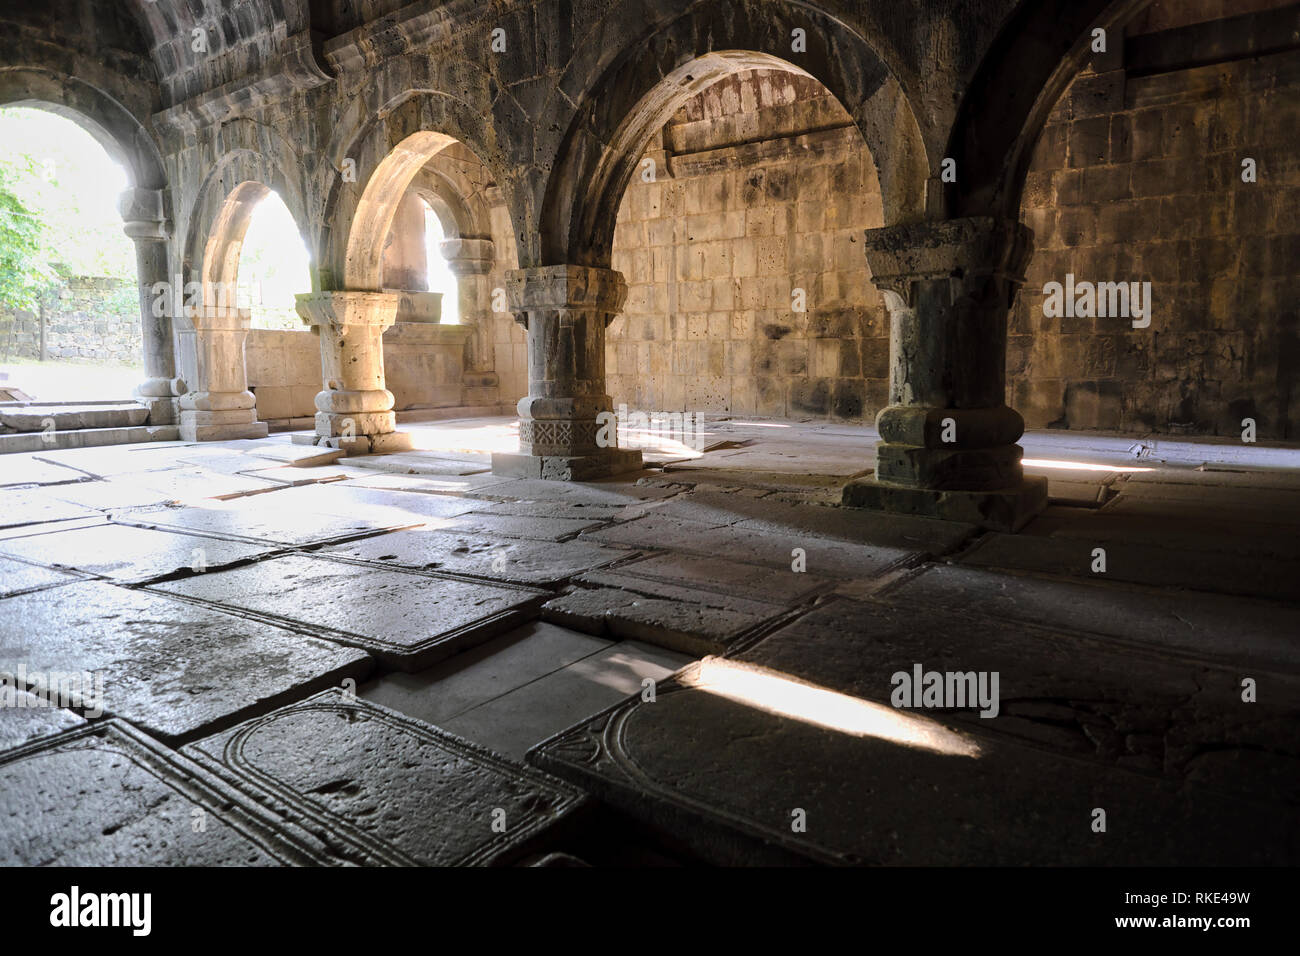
(408, 660)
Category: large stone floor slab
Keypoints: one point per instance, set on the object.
(407, 620)
(761, 544)
(106, 795)
(484, 673)
(1247, 633)
(521, 526)
(18, 576)
(380, 788)
(129, 554)
(20, 508)
(171, 668)
(719, 766)
(517, 560)
(23, 469)
(25, 717)
(665, 574)
(1152, 564)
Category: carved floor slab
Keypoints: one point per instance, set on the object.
(107, 795)
(380, 788)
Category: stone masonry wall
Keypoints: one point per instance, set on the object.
(1146, 186)
(763, 188)
(87, 318)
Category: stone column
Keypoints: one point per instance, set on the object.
(567, 429)
(471, 261)
(355, 409)
(947, 438)
(144, 221)
(218, 405)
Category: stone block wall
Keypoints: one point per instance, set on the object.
(284, 372)
(1137, 177)
(761, 188)
(87, 318)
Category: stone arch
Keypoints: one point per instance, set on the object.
(1037, 54)
(224, 204)
(620, 110)
(386, 147)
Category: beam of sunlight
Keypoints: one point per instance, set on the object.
(760, 424)
(1076, 465)
(776, 693)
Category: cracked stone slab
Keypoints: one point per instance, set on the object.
(171, 668)
(722, 764)
(517, 560)
(380, 788)
(1242, 632)
(521, 526)
(110, 495)
(19, 508)
(665, 573)
(25, 717)
(107, 795)
(765, 544)
(1119, 704)
(408, 620)
(1150, 564)
(128, 554)
(18, 576)
(689, 622)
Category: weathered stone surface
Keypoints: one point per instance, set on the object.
(171, 668)
(25, 717)
(128, 554)
(19, 576)
(565, 697)
(690, 622)
(30, 470)
(664, 573)
(520, 561)
(107, 795)
(727, 776)
(484, 673)
(521, 526)
(1151, 564)
(19, 508)
(1231, 630)
(407, 620)
(761, 543)
(380, 788)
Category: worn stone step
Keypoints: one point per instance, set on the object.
(86, 438)
(37, 418)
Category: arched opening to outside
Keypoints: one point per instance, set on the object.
(69, 303)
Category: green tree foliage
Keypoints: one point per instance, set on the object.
(24, 272)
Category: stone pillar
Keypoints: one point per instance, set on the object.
(355, 410)
(471, 261)
(218, 405)
(566, 423)
(144, 221)
(947, 438)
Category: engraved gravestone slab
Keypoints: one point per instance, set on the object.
(25, 717)
(381, 788)
(107, 795)
(407, 620)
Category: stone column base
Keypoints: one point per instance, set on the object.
(198, 425)
(380, 444)
(601, 464)
(1007, 509)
